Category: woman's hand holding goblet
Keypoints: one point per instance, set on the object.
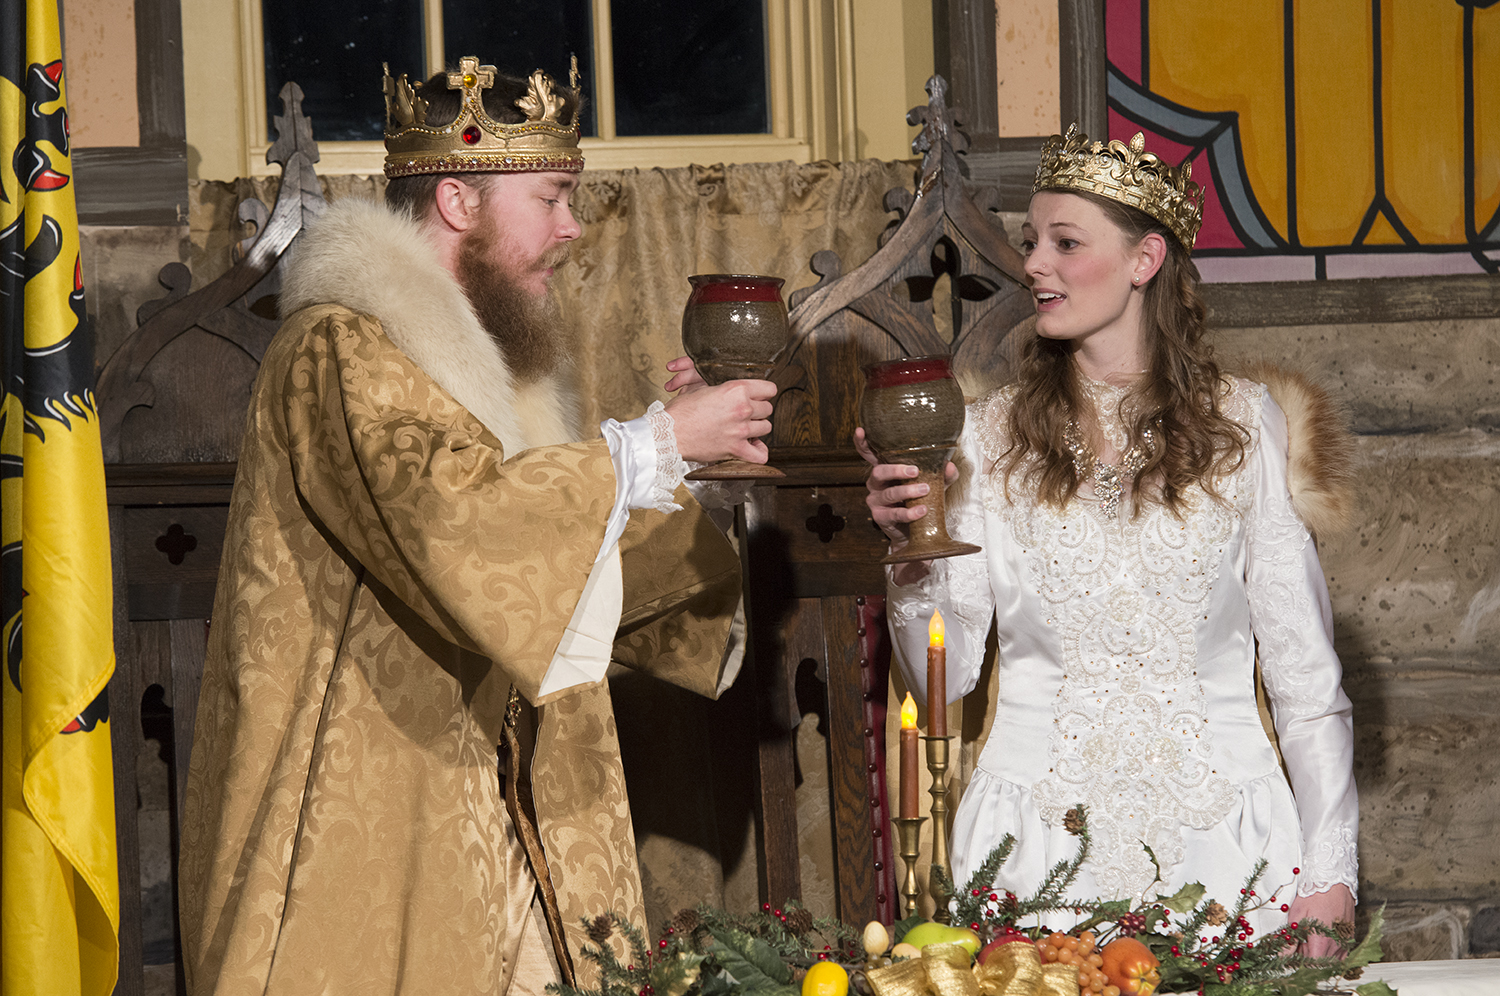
(890, 486)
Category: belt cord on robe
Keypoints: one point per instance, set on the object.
(522, 806)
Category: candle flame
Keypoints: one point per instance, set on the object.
(936, 630)
(909, 713)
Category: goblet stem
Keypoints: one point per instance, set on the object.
(929, 534)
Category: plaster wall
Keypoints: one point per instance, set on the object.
(100, 72)
(1028, 71)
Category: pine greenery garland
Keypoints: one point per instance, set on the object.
(1202, 946)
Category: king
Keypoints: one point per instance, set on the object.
(427, 562)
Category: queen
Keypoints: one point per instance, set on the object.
(1142, 537)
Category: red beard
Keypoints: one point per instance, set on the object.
(528, 329)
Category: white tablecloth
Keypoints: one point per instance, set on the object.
(1463, 977)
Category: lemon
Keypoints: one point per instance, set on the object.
(826, 978)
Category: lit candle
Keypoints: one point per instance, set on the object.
(937, 678)
(909, 758)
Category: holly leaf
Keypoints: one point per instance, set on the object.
(675, 976)
(752, 963)
(718, 984)
(1238, 989)
(1368, 950)
(1154, 863)
(902, 926)
(1376, 988)
(1303, 982)
(1184, 899)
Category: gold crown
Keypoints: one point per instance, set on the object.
(1124, 173)
(476, 142)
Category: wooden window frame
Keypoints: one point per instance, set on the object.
(809, 70)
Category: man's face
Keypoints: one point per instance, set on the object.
(505, 261)
(529, 219)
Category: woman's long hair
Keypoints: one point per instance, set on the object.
(1193, 443)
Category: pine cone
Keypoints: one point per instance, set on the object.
(687, 920)
(799, 921)
(600, 929)
(1345, 929)
(1217, 914)
(1073, 821)
(1354, 973)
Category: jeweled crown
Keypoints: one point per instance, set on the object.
(476, 142)
(1125, 173)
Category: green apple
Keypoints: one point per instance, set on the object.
(927, 933)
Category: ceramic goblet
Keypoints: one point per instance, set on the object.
(734, 327)
(912, 412)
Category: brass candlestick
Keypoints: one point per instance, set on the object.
(909, 844)
(937, 763)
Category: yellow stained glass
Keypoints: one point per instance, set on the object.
(1333, 69)
(1381, 233)
(1423, 92)
(1486, 115)
(1228, 57)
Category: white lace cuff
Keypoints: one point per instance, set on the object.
(1329, 861)
(670, 467)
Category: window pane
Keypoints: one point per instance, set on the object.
(689, 67)
(333, 50)
(522, 35)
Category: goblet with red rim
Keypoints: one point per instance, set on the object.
(733, 328)
(913, 413)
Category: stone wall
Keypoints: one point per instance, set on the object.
(1416, 601)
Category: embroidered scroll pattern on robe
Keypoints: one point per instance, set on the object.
(1130, 737)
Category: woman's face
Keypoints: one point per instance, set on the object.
(1081, 272)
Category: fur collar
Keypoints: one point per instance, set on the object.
(1320, 449)
(365, 257)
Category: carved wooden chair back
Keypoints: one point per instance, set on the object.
(944, 281)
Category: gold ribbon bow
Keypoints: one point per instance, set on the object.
(943, 970)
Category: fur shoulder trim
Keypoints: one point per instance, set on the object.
(363, 256)
(1320, 448)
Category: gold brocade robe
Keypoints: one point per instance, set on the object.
(387, 575)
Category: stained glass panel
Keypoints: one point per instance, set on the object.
(1334, 138)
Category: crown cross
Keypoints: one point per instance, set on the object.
(470, 75)
(474, 142)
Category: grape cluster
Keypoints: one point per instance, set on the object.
(1132, 924)
(1079, 952)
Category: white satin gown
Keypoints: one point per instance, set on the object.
(1126, 677)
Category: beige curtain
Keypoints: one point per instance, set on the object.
(647, 231)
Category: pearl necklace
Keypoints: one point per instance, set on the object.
(1108, 478)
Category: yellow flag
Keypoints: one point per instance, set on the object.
(59, 887)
